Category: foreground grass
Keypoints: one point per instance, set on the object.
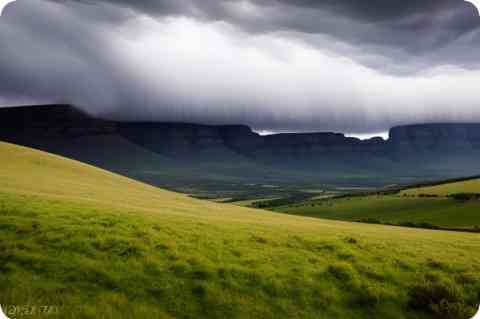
(101, 246)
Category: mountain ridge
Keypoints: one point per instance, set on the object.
(235, 154)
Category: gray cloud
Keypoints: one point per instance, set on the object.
(420, 33)
(276, 65)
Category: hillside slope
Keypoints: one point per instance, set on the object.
(466, 187)
(440, 212)
(86, 243)
(447, 204)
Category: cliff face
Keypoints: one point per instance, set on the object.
(54, 122)
(315, 146)
(191, 141)
(434, 138)
(436, 150)
(37, 124)
(186, 141)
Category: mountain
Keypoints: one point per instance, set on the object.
(189, 157)
(86, 243)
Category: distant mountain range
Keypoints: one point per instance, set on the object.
(192, 157)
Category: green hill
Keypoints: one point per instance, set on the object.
(465, 187)
(79, 242)
(442, 212)
(448, 205)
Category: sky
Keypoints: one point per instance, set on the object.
(358, 67)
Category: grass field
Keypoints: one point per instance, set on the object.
(91, 244)
(442, 211)
(471, 187)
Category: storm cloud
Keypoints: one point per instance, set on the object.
(394, 29)
(343, 65)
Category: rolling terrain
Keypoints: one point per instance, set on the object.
(98, 245)
(448, 205)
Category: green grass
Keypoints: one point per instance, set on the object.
(471, 186)
(98, 245)
(444, 212)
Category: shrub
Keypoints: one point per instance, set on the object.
(455, 310)
(342, 271)
(407, 224)
(202, 273)
(427, 225)
(418, 225)
(259, 239)
(179, 268)
(351, 240)
(443, 299)
(200, 290)
(437, 264)
(465, 196)
(369, 296)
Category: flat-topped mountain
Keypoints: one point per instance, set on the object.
(49, 122)
(431, 137)
(187, 155)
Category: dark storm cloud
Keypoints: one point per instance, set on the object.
(419, 33)
(275, 65)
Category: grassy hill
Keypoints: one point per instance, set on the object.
(79, 242)
(465, 187)
(448, 205)
(443, 212)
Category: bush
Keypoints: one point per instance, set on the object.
(427, 225)
(455, 310)
(407, 224)
(342, 271)
(369, 296)
(443, 299)
(465, 196)
(418, 225)
(351, 240)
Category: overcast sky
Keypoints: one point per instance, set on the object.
(277, 65)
